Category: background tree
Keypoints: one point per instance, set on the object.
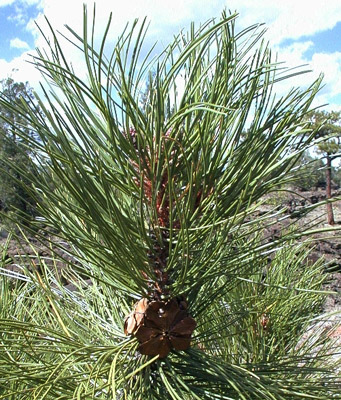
(15, 154)
(328, 127)
(311, 173)
(158, 204)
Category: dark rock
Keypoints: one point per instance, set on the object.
(314, 199)
(335, 246)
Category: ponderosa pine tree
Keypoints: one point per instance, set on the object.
(158, 203)
(14, 154)
(327, 125)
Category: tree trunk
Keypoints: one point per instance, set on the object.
(330, 213)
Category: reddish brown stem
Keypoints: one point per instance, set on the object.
(330, 214)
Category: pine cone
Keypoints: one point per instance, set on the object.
(160, 326)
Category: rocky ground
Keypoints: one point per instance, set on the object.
(326, 244)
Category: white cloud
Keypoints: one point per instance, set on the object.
(289, 19)
(294, 19)
(330, 66)
(20, 70)
(284, 19)
(168, 12)
(30, 2)
(166, 17)
(4, 3)
(17, 43)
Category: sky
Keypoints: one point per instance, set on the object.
(301, 32)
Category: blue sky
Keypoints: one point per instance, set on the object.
(15, 35)
(301, 33)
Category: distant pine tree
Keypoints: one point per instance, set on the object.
(328, 127)
(15, 152)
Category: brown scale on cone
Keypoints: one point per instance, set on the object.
(159, 325)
